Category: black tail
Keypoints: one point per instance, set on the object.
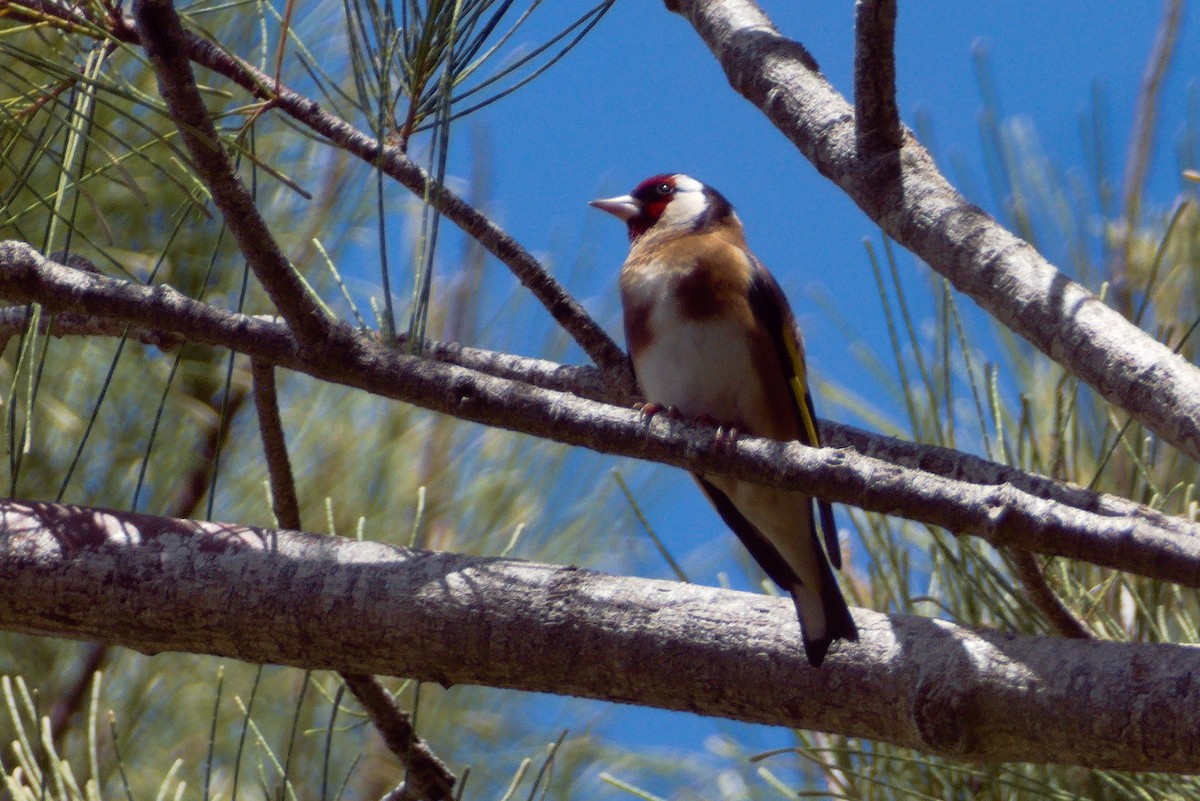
(826, 608)
(839, 624)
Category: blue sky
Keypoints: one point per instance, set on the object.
(643, 95)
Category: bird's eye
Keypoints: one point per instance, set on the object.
(664, 189)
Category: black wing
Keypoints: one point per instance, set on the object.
(759, 546)
(769, 304)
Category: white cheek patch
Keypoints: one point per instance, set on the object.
(687, 206)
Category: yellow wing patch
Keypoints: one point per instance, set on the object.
(800, 389)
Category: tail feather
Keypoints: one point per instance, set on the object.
(824, 617)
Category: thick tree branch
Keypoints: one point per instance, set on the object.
(919, 208)
(1104, 530)
(158, 584)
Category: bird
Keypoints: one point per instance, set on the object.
(711, 337)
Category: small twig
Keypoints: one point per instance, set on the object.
(427, 776)
(1044, 597)
(878, 127)
(279, 467)
(166, 43)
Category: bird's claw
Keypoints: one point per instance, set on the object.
(726, 437)
(651, 409)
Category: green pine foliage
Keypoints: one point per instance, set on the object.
(90, 164)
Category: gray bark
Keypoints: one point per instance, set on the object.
(158, 584)
(998, 505)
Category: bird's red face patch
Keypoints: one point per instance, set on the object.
(653, 195)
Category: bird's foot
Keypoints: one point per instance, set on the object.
(726, 437)
(651, 409)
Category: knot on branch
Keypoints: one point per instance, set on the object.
(939, 709)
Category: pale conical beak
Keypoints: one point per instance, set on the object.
(623, 207)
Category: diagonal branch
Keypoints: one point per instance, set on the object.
(364, 607)
(565, 310)
(879, 135)
(1103, 530)
(425, 776)
(1057, 613)
(918, 207)
(164, 40)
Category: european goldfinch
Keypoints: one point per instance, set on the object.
(712, 337)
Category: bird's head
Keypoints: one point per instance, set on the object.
(668, 203)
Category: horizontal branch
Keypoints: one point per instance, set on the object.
(592, 383)
(158, 584)
(914, 203)
(1101, 529)
(14, 319)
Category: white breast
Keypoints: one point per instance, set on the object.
(701, 367)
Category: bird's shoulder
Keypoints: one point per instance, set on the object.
(704, 270)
